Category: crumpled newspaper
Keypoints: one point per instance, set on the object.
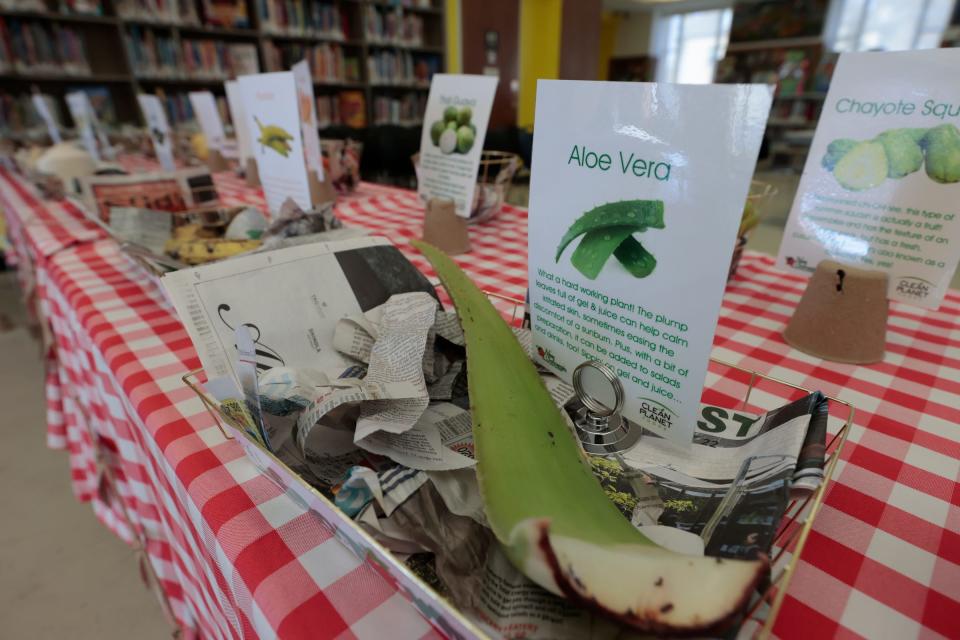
(292, 221)
(391, 438)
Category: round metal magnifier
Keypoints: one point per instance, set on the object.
(596, 407)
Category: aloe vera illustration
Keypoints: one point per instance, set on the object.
(608, 230)
(277, 138)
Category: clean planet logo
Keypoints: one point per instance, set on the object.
(656, 413)
(913, 287)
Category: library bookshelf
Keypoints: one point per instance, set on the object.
(371, 59)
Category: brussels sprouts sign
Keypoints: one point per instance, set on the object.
(881, 186)
(451, 143)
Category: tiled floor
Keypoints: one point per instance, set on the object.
(62, 574)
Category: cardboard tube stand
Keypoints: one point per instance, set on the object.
(251, 173)
(842, 315)
(444, 229)
(320, 192)
(216, 162)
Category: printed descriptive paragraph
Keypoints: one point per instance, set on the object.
(877, 233)
(641, 345)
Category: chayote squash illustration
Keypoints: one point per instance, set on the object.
(863, 167)
(836, 150)
(895, 153)
(943, 153)
(904, 155)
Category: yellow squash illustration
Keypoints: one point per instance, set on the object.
(277, 138)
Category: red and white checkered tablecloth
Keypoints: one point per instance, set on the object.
(237, 557)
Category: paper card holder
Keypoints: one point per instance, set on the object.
(251, 173)
(444, 229)
(216, 162)
(842, 315)
(320, 192)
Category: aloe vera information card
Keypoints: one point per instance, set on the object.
(635, 200)
(271, 106)
(881, 185)
(451, 142)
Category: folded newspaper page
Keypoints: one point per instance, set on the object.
(732, 486)
(291, 299)
(145, 227)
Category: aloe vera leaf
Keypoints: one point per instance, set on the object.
(595, 248)
(547, 508)
(634, 258)
(641, 214)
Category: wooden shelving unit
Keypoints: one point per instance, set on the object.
(111, 65)
(794, 114)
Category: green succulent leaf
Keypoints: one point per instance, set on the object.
(596, 247)
(639, 214)
(635, 259)
(547, 508)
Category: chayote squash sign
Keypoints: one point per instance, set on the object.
(881, 185)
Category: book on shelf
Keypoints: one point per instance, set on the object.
(23, 5)
(408, 4)
(328, 110)
(793, 73)
(328, 62)
(81, 7)
(153, 53)
(13, 113)
(294, 17)
(32, 47)
(353, 109)
(217, 59)
(244, 60)
(390, 67)
(225, 13)
(6, 56)
(405, 110)
(392, 26)
(346, 108)
(178, 108)
(180, 12)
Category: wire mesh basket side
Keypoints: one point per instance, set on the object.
(750, 391)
